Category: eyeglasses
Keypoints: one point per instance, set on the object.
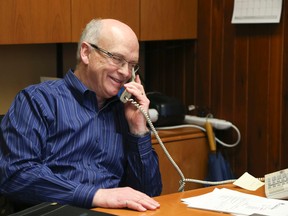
(117, 60)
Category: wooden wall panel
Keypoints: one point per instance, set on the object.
(245, 63)
(257, 102)
(240, 73)
(170, 68)
(284, 116)
(240, 114)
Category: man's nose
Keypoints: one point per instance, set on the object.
(125, 69)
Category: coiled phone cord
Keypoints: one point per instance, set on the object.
(183, 179)
(139, 107)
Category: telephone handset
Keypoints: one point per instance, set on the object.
(123, 94)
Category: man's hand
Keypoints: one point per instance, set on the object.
(125, 197)
(136, 119)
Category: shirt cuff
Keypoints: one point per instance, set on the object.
(141, 144)
(84, 195)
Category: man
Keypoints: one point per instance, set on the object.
(72, 141)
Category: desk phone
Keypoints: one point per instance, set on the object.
(276, 184)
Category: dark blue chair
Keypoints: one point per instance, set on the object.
(1, 117)
(6, 207)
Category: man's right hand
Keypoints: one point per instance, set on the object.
(125, 197)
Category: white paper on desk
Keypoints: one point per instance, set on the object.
(235, 202)
(257, 11)
(248, 182)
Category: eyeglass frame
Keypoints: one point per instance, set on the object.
(117, 60)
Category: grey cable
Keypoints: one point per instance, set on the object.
(183, 179)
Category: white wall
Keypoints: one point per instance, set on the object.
(23, 65)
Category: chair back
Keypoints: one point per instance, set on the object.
(1, 117)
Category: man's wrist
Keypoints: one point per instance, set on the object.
(141, 133)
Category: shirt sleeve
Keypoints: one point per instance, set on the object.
(23, 170)
(143, 165)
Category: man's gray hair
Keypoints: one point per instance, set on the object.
(89, 34)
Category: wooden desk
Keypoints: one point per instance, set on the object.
(171, 204)
(189, 149)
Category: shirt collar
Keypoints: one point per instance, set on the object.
(74, 83)
(82, 93)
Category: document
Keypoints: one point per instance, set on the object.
(248, 182)
(237, 203)
(257, 11)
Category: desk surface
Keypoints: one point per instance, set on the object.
(171, 203)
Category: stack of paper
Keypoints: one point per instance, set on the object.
(235, 202)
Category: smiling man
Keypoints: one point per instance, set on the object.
(72, 141)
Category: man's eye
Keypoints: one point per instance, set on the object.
(118, 59)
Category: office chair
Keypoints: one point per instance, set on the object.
(6, 206)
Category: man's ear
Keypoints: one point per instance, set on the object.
(85, 51)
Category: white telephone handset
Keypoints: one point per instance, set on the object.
(123, 94)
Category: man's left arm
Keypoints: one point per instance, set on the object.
(143, 171)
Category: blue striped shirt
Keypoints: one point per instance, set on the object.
(56, 145)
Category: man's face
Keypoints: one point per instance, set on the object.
(108, 73)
